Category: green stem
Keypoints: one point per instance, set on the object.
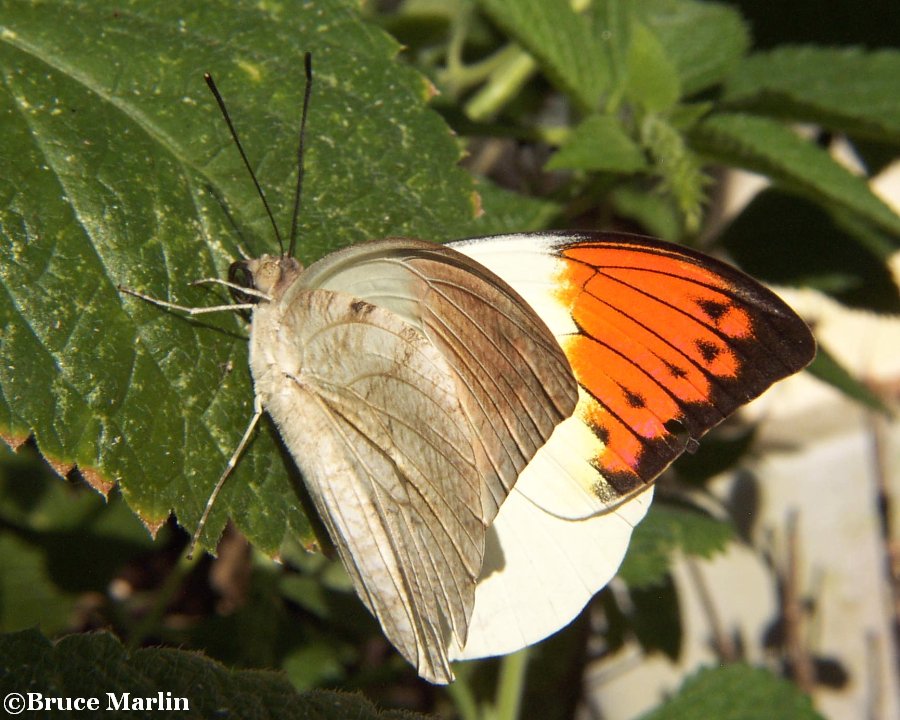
(458, 77)
(464, 699)
(505, 81)
(511, 685)
(458, 32)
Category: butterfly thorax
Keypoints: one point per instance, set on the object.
(269, 274)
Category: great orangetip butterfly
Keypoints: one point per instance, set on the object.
(479, 424)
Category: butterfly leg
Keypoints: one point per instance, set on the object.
(232, 462)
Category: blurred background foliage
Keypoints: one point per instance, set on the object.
(599, 114)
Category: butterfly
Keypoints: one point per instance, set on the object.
(479, 424)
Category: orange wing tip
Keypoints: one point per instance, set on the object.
(725, 298)
(668, 343)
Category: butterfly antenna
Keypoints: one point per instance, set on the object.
(237, 141)
(307, 60)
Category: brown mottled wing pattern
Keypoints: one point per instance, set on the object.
(411, 387)
(514, 381)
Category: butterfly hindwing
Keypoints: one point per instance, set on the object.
(395, 493)
(411, 389)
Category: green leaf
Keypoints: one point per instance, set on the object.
(655, 617)
(652, 78)
(96, 665)
(666, 529)
(655, 212)
(28, 595)
(770, 148)
(703, 40)
(599, 143)
(611, 21)
(826, 367)
(678, 166)
(736, 692)
(314, 665)
(846, 89)
(684, 116)
(506, 211)
(117, 168)
(561, 40)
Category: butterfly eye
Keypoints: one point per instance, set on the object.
(239, 273)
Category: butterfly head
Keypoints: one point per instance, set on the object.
(268, 274)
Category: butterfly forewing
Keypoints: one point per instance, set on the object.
(664, 342)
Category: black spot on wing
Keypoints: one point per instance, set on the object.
(712, 309)
(708, 351)
(635, 400)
